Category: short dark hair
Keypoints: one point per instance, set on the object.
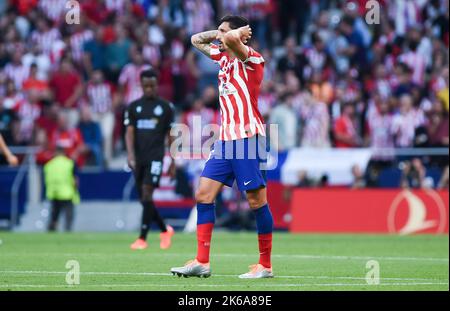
(235, 21)
(149, 74)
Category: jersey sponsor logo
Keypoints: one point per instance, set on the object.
(158, 111)
(226, 91)
(147, 124)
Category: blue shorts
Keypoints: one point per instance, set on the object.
(243, 160)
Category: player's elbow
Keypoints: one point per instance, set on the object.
(194, 39)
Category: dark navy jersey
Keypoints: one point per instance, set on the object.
(152, 120)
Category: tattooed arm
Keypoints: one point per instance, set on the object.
(202, 41)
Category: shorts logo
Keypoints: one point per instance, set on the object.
(247, 183)
(156, 168)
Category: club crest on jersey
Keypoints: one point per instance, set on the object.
(138, 109)
(158, 111)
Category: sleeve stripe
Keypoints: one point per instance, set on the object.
(215, 51)
(255, 60)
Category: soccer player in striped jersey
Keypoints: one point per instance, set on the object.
(239, 154)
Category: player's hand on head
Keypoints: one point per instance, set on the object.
(246, 33)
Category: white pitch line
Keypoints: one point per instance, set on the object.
(297, 256)
(220, 285)
(21, 272)
(284, 256)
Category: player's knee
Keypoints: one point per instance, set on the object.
(147, 194)
(256, 201)
(204, 196)
(146, 197)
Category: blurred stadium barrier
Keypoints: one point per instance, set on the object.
(109, 201)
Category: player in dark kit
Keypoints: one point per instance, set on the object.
(148, 121)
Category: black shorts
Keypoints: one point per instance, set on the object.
(148, 174)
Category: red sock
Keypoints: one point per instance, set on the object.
(265, 249)
(204, 233)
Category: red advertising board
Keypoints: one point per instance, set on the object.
(279, 200)
(369, 211)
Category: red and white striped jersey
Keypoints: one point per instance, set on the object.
(17, 73)
(77, 41)
(239, 87)
(53, 9)
(130, 78)
(404, 126)
(45, 40)
(100, 97)
(417, 63)
(28, 113)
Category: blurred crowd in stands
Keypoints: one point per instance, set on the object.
(331, 79)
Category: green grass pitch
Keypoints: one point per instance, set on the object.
(301, 262)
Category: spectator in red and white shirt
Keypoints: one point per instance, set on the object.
(12, 97)
(316, 122)
(16, 71)
(101, 97)
(199, 15)
(45, 36)
(77, 41)
(150, 52)
(28, 110)
(406, 122)
(379, 124)
(197, 118)
(416, 61)
(53, 9)
(70, 139)
(129, 79)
